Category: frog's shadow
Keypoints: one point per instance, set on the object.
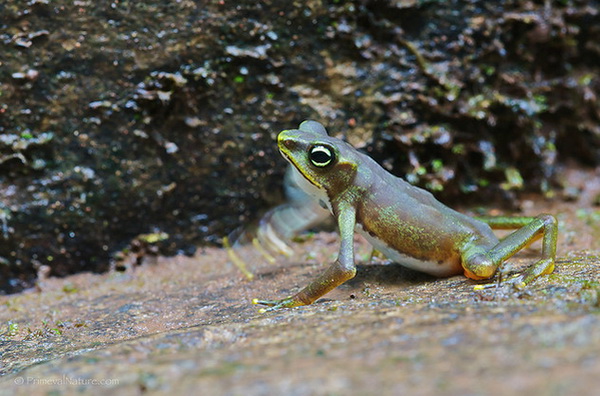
(388, 274)
(384, 274)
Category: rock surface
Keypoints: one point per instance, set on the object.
(181, 324)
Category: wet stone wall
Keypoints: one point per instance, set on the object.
(131, 123)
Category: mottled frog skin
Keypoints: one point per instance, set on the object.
(404, 222)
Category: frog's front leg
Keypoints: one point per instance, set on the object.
(480, 264)
(339, 272)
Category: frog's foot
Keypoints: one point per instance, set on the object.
(288, 302)
(515, 282)
(521, 280)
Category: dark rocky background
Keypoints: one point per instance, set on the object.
(125, 118)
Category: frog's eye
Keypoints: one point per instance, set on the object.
(321, 156)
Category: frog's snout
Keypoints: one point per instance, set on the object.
(285, 140)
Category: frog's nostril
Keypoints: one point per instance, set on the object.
(288, 143)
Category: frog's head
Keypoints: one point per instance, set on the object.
(327, 163)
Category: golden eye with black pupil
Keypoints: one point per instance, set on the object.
(321, 156)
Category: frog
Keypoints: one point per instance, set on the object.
(405, 223)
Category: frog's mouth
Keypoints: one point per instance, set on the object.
(286, 157)
(297, 168)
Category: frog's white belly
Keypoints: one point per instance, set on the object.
(447, 268)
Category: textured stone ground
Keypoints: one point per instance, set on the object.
(179, 325)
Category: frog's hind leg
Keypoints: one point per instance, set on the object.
(479, 264)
